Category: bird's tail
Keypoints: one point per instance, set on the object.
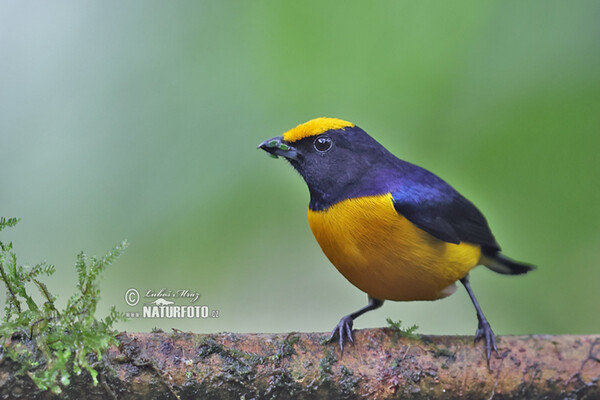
(504, 265)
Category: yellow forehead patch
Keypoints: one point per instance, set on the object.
(314, 127)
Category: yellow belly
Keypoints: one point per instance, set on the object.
(385, 255)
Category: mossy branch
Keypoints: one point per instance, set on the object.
(380, 365)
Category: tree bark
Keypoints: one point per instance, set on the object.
(380, 365)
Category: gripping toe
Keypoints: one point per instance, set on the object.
(484, 331)
(343, 330)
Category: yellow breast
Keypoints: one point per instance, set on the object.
(385, 255)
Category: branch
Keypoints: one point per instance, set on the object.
(380, 365)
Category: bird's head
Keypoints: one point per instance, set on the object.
(332, 156)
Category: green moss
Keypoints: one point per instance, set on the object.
(399, 332)
(286, 348)
(443, 352)
(323, 340)
(236, 363)
(325, 365)
(281, 385)
(348, 382)
(50, 344)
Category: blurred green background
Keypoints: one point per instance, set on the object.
(140, 120)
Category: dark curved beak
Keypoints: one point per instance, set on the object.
(277, 147)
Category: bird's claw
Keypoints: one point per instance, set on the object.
(484, 331)
(343, 330)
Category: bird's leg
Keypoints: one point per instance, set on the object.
(484, 331)
(344, 328)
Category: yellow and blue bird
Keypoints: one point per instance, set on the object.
(393, 229)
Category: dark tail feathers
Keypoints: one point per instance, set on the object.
(504, 265)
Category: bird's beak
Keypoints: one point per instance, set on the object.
(277, 147)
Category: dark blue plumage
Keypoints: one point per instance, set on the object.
(435, 207)
(419, 195)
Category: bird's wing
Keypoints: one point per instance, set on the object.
(435, 207)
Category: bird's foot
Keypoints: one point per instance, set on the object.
(343, 330)
(484, 331)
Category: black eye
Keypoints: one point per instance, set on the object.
(323, 143)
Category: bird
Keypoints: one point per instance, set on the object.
(393, 229)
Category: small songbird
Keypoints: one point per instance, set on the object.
(393, 229)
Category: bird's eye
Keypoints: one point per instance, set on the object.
(323, 143)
